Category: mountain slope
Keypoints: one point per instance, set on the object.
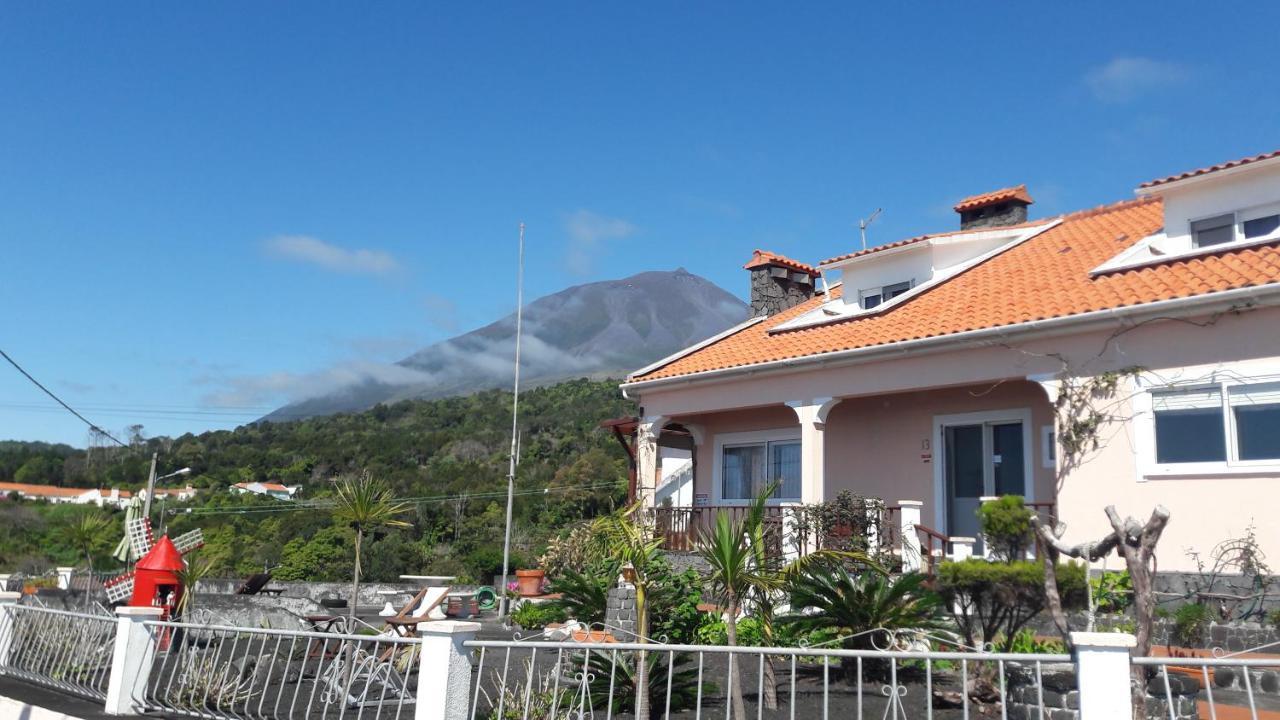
(597, 330)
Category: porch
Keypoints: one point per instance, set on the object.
(938, 452)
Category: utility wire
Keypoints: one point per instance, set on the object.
(57, 399)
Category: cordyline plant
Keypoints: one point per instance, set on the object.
(84, 531)
(365, 504)
(747, 570)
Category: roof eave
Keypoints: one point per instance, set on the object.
(1162, 186)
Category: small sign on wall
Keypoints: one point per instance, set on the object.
(701, 500)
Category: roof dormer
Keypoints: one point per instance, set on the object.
(1221, 207)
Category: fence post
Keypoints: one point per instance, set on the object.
(7, 600)
(131, 658)
(444, 670)
(64, 577)
(1102, 672)
(909, 517)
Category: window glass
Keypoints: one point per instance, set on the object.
(870, 299)
(1189, 426)
(1213, 231)
(1256, 412)
(1259, 227)
(784, 468)
(743, 468)
(896, 289)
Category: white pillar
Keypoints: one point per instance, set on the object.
(131, 658)
(961, 548)
(909, 517)
(1102, 671)
(444, 671)
(7, 600)
(64, 577)
(985, 550)
(647, 466)
(812, 415)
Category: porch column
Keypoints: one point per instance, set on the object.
(812, 415)
(647, 468)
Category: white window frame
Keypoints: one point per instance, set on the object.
(880, 291)
(1239, 217)
(1223, 378)
(1048, 447)
(739, 439)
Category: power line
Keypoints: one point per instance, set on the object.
(57, 399)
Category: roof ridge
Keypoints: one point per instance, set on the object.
(1105, 208)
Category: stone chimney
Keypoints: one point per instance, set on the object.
(994, 209)
(778, 283)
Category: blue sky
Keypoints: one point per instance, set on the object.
(207, 209)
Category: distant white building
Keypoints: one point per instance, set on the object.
(275, 490)
(114, 497)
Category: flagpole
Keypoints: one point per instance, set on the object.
(515, 413)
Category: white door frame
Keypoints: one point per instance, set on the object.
(941, 422)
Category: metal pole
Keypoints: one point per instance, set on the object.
(151, 487)
(515, 409)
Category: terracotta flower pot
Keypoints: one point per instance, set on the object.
(529, 582)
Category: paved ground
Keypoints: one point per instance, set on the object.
(52, 700)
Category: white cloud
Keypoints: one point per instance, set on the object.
(306, 249)
(442, 312)
(286, 387)
(586, 231)
(1127, 78)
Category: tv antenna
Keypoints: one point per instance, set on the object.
(863, 223)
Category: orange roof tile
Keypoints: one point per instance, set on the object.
(42, 490)
(1211, 168)
(761, 258)
(1046, 276)
(974, 202)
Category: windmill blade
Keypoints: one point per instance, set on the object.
(139, 533)
(188, 541)
(119, 589)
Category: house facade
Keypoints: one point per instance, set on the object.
(1126, 355)
(275, 490)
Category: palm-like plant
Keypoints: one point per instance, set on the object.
(629, 540)
(365, 504)
(866, 608)
(85, 531)
(583, 597)
(196, 569)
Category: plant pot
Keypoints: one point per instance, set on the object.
(529, 582)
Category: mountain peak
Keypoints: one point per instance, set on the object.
(598, 329)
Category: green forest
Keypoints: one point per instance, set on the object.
(449, 456)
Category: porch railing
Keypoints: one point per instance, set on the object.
(680, 527)
(67, 651)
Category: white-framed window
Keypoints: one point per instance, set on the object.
(747, 463)
(1250, 225)
(1216, 425)
(1048, 447)
(875, 296)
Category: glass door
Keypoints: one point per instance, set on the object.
(980, 460)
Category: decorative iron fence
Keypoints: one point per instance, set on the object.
(219, 671)
(63, 650)
(561, 680)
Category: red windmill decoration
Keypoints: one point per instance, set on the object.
(154, 581)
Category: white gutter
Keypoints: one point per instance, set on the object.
(1223, 300)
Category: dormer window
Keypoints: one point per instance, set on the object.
(875, 296)
(1213, 231)
(1261, 227)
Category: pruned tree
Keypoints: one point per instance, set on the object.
(1136, 544)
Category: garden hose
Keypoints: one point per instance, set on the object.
(487, 598)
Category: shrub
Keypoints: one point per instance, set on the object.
(486, 562)
(613, 683)
(1190, 622)
(1112, 591)
(1026, 642)
(1006, 527)
(535, 616)
(583, 597)
(712, 631)
(1274, 618)
(995, 600)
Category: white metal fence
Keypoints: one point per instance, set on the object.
(1180, 688)
(67, 651)
(218, 671)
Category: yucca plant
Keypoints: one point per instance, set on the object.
(197, 568)
(84, 532)
(365, 504)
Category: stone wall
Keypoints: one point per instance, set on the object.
(1011, 213)
(620, 611)
(771, 295)
(1061, 694)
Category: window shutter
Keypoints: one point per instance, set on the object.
(1195, 399)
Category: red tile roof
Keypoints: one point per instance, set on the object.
(1211, 168)
(42, 490)
(974, 202)
(1046, 276)
(761, 258)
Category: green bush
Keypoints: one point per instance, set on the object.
(1026, 642)
(712, 631)
(1006, 527)
(583, 597)
(991, 602)
(1112, 591)
(1274, 618)
(535, 616)
(485, 563)
(1190, 623)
